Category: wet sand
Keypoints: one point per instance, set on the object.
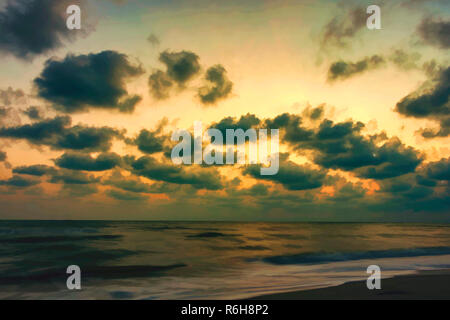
(433, 285)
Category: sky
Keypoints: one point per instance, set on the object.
(86, 116)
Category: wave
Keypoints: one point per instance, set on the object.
(326, 257)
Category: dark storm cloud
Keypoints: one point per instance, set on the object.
(11, 96)
(343, 146)
(33, 27)
(80, 82)
(72, 177)
(34, 170)
(431, 101)
(125, 196)
(34, 113)
(58, 134)
(341, 70)
(435, 32)
(439, 170)
(200, 179)
(291, 175)
(342, 28)
(19, 182)
(80, 161)
(221, 86)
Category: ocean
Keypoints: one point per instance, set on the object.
(206, 260)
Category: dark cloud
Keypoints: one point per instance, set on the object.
(181, 66)
(221, 86)
(245, 122)
(19, 182)
(149, 141)
(342, 28)
(34, 113)
(152, 169)
(430, 101)
(81, 161)
(86, 138)
(34, 170)
(291, 175)
(80, 82)
(435, 32)
(38, 132)
(72, 177)
(2, 156)
(439, 170)
(341, 70)
(57, 133)
(33, 27)
(394, 159)
(343, 146)
(11, 96)
(314, 113)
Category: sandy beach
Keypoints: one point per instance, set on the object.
(430, 285)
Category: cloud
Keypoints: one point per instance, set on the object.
(33, 27)
(11, 96)
(200, 178)
(245, 122)
(34, 170)
(38, 132)
(342, 28)
(439, 170)
(291, 175)
(430, 101)
(125, 196)
(160, 85)
(79, 161)
(153, 39)
(2, 156)
(134, 184)
(404, 60)
(344, 70)
(221, 86)
(19, 182)
(435, 32)
(34, 113)
(149, 141)
(72, 177)
(57, 133)
(181, 67)
(343, 146)
(94, 81)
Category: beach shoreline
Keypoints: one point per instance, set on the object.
(427, 285)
